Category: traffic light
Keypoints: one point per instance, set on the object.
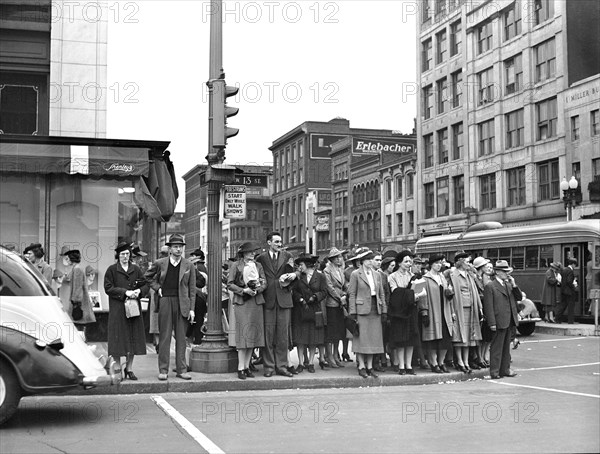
(220, 113)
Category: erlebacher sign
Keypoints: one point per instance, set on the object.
(372, 145)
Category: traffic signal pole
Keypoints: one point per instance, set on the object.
(214, 355)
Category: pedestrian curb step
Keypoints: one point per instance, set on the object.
(564, 329)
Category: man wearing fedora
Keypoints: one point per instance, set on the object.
(500, 298)
(174, 280)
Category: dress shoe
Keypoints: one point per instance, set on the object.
(363, 373)
(436, 369)
(444, 369)
(268, 373)
(284, 373)
(346, 357)
(378, 368)
(510, 374)
(292, 370)
(371, 373)
(299, 368)
(322, 365)
(401, 371)
(495, 377)
(474, 366)
(184, 376)
(311, 368)
(248, 373)
(410, 371)
(241, 375)
(130, 375)
(162, 377)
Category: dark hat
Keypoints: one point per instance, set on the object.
(386, 262)
(571, 261)
(31, 247)
(400, 256)
(123, 246)
(334, 252)
(418, 260)
(176, 238)
(306, 258)
(247, 247)
(135, 250)
(390, 253)
(436, 258)
(197, 252)
(461, 255)
(502, 265)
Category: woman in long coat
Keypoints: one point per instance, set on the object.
(468, 310)
(335, 302)
(75, 291)
(308, 294)
(247, 282)
(551, 291)
(126, 336)
(436, 314)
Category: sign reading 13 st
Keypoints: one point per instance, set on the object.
(234, 202)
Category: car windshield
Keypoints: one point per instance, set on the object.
(19, 278)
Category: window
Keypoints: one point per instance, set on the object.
(484, 38)
(300, 150)
(428, 150)
(300, 176)
(388, 189)
(486, 137)
(543, 9)
(516, 186)
(575, 127)
(442, 95)
(441, 42)
(576, 171)
(410, 185)
(487, 187)
(442, 197)
(440, 9)
(398, 185)
(425, 12)
(485, 81)
(427, 101)
(594, 119)
(513, 72)
(399, 227)
(426, 55)
(512, 21)
(515, 129)
(548, 181)
(265, 215)
(456, 88)
(596, 169)
(411, 222)
(442, 138)
(457, 141)
(459, 193)
(455, 38)
(388, 223)
(545, 60)
(429, 200)
(547, 118)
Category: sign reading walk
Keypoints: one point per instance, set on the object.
(234, 202)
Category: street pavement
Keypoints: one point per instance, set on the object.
(551, 406)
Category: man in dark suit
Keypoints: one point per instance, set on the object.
(568, 293)
(500, 298)
(278, 306)
(173, 279)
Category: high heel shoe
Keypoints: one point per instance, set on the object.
(323, 364)
(241, 375)
(129, 374)
(346, 357)
(338, 362)
(516, 344)
(299, 368)
(311, 368)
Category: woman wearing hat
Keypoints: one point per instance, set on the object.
(367, 305)
(126, 337)
(484, 272)
(404, 329)
(75, 291)
(309, 316)
(468, 309)
(335, 302)
(436, 314)
(551, 291)
(247, 282)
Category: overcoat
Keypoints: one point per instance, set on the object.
(551, 289)
(460, 329)
(306, 332)
(359, 293)
(437, 308)
(500, 304)
(79, 294)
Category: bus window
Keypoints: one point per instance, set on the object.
(504, 254)
(518, 261)
(571, 252)
(531, 257)
(546, 256)
(492, 254)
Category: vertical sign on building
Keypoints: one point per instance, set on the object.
(234, 202)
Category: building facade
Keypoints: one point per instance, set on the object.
(494, 124)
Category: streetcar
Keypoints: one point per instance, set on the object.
(530, 250)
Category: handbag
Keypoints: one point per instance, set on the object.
(352, 326)
(77, 312)
(307, 313)
(132, 308)
(319, 319)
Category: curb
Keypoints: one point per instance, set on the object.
(229, 382)
(565, 329)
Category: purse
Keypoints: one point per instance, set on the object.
(319, 319)
(352, 326)
(77, 312)
(307, 313)
(132, 308)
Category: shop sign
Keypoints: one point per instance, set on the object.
(234, 202)
(324, 198)
(372, 145)
(322, 223)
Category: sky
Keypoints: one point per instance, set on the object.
(293, 62)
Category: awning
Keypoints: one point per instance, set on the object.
(74, 159)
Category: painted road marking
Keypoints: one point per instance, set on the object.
(561, 367)
(543, 389)
(555, 340)
(192, 430)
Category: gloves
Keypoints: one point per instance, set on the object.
(426, 321)
(312, 299)
(384, 318)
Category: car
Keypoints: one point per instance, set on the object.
(41, 350)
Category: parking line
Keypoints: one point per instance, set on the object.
(543, 389)
(561, 367)
(555, 340)
(192, 430)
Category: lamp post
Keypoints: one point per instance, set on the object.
(569, 189)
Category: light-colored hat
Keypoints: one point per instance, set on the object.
(556, 265)
(362, 253)
(334, 252)
(480, 261)
(502, 265)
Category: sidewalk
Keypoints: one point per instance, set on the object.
(564, 329)
(146, 369)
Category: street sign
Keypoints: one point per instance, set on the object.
(234, 202)
(252, 180)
